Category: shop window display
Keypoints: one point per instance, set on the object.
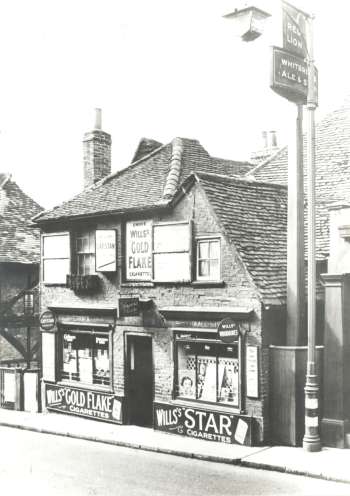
(85, 358)
(207, 371)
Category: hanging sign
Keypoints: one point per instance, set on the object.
(47, 321)
(92, 404)
(294, 30)
(128, 307)
(106, 250)
(201, 424)
(228, 330)
(139, 251)
(289, 76)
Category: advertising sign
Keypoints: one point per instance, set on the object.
(294, 30)
(129, 307)
(289, 76)
(228, 330)
(92, 404)
(47, 321)
(252, 372)
(139, 250)
(201, 424)
(106, 250)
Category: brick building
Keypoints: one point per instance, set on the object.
(164, 285)
(19, 274)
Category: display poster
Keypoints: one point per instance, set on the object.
(92, 404)
(187, 381)
(106, 250)
(252, 371)
(139, 250)
(202, 424)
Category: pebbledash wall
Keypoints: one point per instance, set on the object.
(167, 366)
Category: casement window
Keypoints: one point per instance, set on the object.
(208, 259)
(172, 252)
(85, 253)
(55, 250)
(85, 357)
(207, 370)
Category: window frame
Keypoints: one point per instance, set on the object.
(79, 234)
(239, 407)
(44, 258)
(92, 331)
(203, 239)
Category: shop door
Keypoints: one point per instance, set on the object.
(140, 380)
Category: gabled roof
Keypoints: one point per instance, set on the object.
(147, 183)
(19, 242)
(254, 217)
(332, 169)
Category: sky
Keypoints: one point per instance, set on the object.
(157, 68)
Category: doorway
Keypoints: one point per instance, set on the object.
(139, 375)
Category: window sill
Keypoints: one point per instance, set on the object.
(218, 407)
(208, 284)
(83, 385)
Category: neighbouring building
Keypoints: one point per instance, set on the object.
(164, 285)
(19, 276)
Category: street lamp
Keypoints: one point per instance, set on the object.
(298, 46)
(249, 22)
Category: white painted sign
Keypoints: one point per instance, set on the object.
(9, 387)
(252, 372)
(139, 250)
(241, 431)
(106, 250)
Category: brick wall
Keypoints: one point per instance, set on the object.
(96, 156)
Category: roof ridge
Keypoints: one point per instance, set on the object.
(7, 178)
(246, 179)
(172, 180)
(269, 159)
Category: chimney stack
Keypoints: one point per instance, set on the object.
(96, 152)
(268, 148)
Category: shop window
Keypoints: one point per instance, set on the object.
(85, 358)
(55, 257)
(208, 371)
(85, 253)
(172, 252)
(208, 260)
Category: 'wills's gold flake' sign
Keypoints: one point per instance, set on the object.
(139, 250)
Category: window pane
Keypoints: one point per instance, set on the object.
(228, 380)
(56, 246)
(214, 270)
(203, 249)
(101, 360)
(83, 345)
(215, 249)
(55, 271)
(186, 370)
(70, 358)
(203, 268)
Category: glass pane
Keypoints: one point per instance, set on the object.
(186, 362)
(70, 358)
(203, 268)
(203, 249)
(101, 360)
(55, 271)
(56, 246)
(228, 371)
(83, 345)
(214, 270)
(215, 249)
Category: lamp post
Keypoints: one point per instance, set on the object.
(298, 44)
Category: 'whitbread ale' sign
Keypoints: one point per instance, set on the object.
(201, 424)
(100, 406)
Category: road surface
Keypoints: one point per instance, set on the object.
(47, 465)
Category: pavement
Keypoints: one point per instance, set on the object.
(330, 463)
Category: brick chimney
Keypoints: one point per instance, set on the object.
(96, 153)
(268, 147)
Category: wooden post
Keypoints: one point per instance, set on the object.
(295, 246)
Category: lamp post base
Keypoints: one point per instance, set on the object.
(311, 440)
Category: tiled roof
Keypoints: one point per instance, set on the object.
(19, 242)
(142, 184)
(254, 217)
(332, 169)
(145, 147)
